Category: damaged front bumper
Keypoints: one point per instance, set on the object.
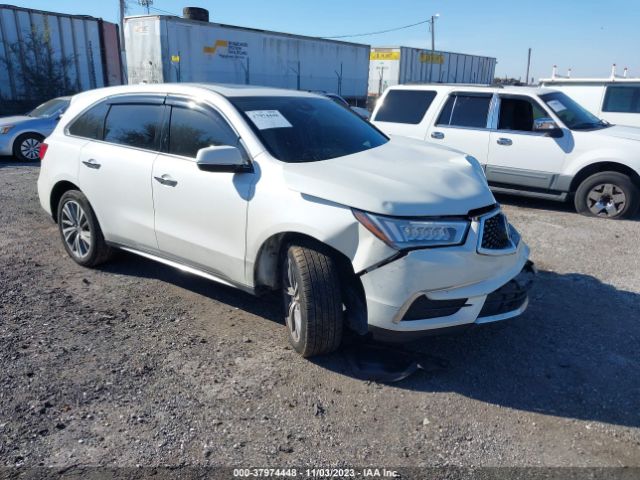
(434, 290)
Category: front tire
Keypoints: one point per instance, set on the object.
(312, 301)
(80, 231)
(26, 147)
(607, 195)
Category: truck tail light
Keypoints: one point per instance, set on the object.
(43, 150)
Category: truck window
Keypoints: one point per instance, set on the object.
(622, 99)
(463, 110)
(405, 106)
(518, 114)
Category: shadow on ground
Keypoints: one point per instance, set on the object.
(12, 162)
(573, 354)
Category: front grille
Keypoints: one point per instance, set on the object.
(507, 298)
(423, 308)
(495, 233)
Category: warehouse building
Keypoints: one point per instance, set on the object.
(401, 65)
(176, 49)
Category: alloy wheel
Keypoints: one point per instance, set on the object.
(30, 148)
(606, 200)
(75, 229)
(293, 312)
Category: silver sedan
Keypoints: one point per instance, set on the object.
(21, 135)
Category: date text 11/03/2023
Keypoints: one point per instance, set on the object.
(315, 472)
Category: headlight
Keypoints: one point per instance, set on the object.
(5, 129)
(402, 233)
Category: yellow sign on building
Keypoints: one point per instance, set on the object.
(384, 55)
(432, 58)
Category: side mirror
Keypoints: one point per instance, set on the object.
(548, 127)
(222, 159)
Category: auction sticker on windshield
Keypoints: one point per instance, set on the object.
(265, 119)
(556, 105)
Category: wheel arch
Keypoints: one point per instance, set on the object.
(605, 166)
(57, 191)
(268, 265)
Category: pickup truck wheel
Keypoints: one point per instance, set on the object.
(26, 147)
(607, 195)
(312, 301)
(80, 232)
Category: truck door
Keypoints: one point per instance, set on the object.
(463, 124)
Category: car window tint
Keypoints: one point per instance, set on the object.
(307, 128)
(91, 123)
(405, 106)
(133, 125)
(622, 99)
(516, 114)
(466, 111)
(192, 130)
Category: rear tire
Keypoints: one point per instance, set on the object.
(607, 195)
(26, 147)
(312, 301)
(80, 231)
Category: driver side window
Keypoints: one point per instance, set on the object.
(190, 130)
(518, 114)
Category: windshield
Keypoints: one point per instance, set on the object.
(572, 114)
(57, 105)
(304, 129)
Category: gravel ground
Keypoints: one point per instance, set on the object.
(139, 364)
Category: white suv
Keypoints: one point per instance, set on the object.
(531, 141)
(266, 189)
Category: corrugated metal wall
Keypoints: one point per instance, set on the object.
(81, 40)
(412, 65)
(210, 52)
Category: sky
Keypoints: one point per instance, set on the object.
(587, 36)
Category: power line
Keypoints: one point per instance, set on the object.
(163, 11)
(380, 31)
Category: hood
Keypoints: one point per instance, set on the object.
(15, 120)
(619, 131)
(403, 177)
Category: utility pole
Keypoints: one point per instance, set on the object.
(432, 26)
(528, 67)
(145, 3)
(123, 10)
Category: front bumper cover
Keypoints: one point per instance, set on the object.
(508, 301)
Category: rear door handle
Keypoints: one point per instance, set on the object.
(91, 163)
(437, 135)
(505, 141)
(166, 180)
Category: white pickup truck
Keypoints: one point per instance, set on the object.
(530, 141)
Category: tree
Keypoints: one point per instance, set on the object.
(42, 74)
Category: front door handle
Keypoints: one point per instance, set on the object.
(166, 180)
(91, 163)
(437, 135)
(505, 141)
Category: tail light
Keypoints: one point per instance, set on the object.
(43, 150)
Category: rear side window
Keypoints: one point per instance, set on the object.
(465, 111)
(622, 99)
(91, 123)
(134, 125)
(192, 130)
(405, 106)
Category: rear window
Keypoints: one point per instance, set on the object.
(464, 110)
(91, 123)
(134, 125)
(622, 99)
(405, 106)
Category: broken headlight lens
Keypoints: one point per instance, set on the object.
(402, 233)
